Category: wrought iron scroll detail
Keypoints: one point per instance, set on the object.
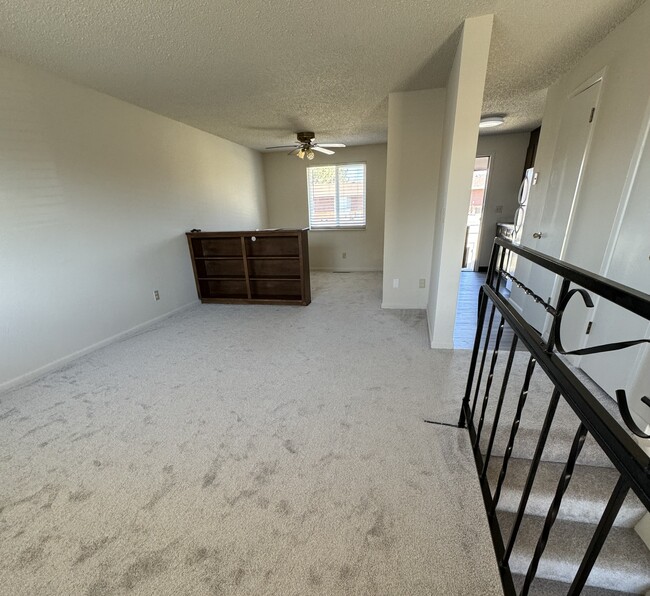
(561, 307)
(621, 397)
(558, 314)
(596, 420)
(624, 409)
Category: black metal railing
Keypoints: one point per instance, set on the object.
(546, 356)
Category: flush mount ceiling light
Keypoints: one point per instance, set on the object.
(491, 121)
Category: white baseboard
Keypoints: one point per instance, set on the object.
(397, 306)
(41, 371)
(442, 346)
(434, 344)
(430, 328)
(347, 269)
(643, 529)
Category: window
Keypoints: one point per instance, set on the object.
(337, 196)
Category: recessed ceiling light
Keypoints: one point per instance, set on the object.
(491, 122)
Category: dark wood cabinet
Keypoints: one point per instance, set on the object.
(262, 266)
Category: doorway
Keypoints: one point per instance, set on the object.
(549, 235)
(475, 213)
(626, 262)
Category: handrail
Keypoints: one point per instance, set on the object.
(619, 446)
(629, 298)
(623, 451)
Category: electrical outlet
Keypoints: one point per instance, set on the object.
(156, 295)
(344, 255)
(396, 283)
(423, 282)
(499, 209)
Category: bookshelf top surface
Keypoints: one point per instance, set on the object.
(265, 232)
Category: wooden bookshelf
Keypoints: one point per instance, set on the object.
(265, 266)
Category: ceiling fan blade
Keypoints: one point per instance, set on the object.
(340, 145)
(322, 150)
(283, 146)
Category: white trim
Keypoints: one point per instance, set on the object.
(635, 371)
(41, 371)
(479, 241)
(626, 193)
(396, 306)
(630, 180)
(347, 269)
(442, 346)
(598, 77)
(338, 229)
(329, 227)
(642, 527)
(589, 82)
(446, 346)
(439, 346)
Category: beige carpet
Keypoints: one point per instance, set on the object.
(248, 450)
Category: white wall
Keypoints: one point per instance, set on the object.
(95, 197)
(507, 154)
(624, 55)
(621, 58)
(415, 123)
(286, 192)
(463, 112)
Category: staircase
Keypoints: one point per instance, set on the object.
(623, 566)
(624, 563)
(561, 505)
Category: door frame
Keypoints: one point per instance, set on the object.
(642, 142)
(626, 193)
(598, 77)
(490, 159)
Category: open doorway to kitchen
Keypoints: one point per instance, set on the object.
(475, 213)
(470, 279)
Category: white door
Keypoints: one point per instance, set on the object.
(562, 195)
(628, 262)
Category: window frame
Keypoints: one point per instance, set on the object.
(330, 228)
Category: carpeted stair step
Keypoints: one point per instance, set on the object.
(584, 501)
(557, 445)
(623, 564)
(565, 422)
(546, 587)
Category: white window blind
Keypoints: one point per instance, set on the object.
(337, 196)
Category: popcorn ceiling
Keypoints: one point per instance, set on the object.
(255, 72)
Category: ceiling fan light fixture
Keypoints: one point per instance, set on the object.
(305, 146)
(491, 121)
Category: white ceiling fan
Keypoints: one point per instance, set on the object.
(305, 146)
